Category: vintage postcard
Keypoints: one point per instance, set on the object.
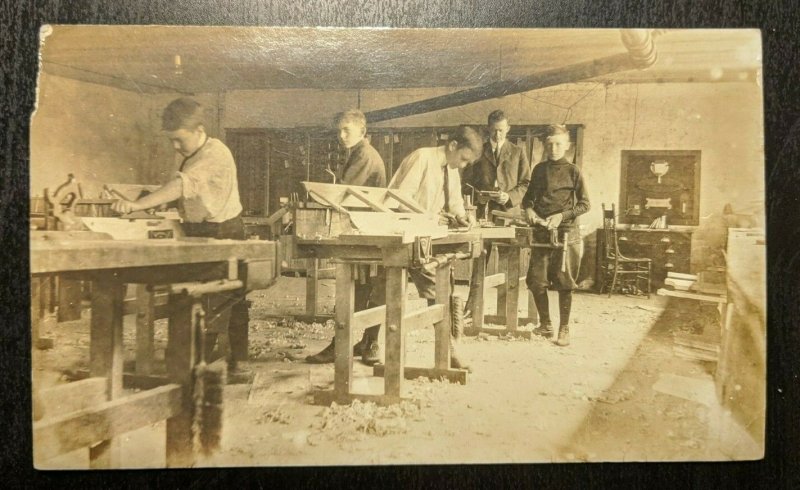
(329, 246)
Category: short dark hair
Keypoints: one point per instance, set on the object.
(182, 113)
(496, 116)
(555, 129)
(466, 136)
(350, 116)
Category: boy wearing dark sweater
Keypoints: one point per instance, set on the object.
(554, 200)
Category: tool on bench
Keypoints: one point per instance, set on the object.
(521, 222)
(486, 198)
(73, 212)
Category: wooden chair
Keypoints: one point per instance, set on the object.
(617, 267)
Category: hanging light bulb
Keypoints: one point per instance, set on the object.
(178, 66)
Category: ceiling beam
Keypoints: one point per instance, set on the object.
(123, 83)
(641, 54)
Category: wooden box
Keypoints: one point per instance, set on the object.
(314, 222)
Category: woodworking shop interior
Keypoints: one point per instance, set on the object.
(663, 364)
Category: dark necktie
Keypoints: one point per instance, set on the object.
(446, 190)
(497, 155)
(186, 159)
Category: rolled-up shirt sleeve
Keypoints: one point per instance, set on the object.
(209, 188)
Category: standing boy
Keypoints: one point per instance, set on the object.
(554, 200)
(364, 167)
(207, 192)
(502, 167)
(431, 177)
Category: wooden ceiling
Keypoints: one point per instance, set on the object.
(214, 59)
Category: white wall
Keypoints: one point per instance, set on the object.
(723, 120)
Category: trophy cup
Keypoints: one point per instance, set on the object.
(659, 168)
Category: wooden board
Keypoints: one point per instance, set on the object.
(133, 229)
(495, 232)
(65, 255)
(64, 433)
(340, 195)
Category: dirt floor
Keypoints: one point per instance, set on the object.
(603, 398)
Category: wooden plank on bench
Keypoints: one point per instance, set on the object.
(61, 434)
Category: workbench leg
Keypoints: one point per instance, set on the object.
(180, 356)
(512, 289)
(533, 313)
(51, 298)
(478, 306)
(723, 370)
(69, 300)
(345, 307)
(503, 289)
(312, 288)
(105, 358)
(442, 345)
(145, 334)
(37, 314)
(396, 282)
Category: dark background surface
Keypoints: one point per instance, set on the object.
(780, 25)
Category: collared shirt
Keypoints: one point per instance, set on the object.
(495, 149)
(421, 176)
(209, 188)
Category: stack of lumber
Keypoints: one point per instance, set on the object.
(691, 286)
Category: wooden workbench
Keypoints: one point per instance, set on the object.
(99, 411)
(741, 372)
(396, 254)
(511, 241)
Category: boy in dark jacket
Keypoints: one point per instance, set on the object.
(554, 200)
(364, 167)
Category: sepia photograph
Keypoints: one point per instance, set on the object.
(319, 246)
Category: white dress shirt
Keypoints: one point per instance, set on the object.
(421, 176)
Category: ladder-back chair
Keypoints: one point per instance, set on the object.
(618, 269)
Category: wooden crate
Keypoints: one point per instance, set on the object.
(318, 222)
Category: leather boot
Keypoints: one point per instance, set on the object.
(358, 348)
(563, 336)
(545, 330)
(325, 356)
(371, 352)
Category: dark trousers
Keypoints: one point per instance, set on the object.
(545, 272)
(545, 267)
(234, 314)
